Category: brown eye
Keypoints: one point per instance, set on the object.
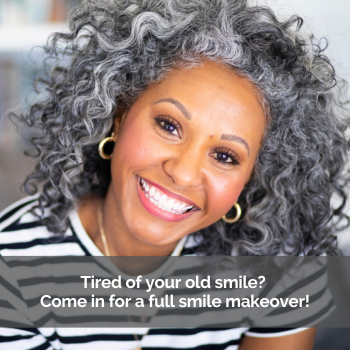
(169, 125)
(223, 157)
(226, 156)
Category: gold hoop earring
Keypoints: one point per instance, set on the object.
(236, 218)
(102, 144)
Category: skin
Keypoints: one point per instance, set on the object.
(186, 163)
(204, 150)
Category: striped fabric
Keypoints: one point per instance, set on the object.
(22, 235)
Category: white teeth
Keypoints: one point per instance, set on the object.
(162, 201)
(170, 204)
(181, 207)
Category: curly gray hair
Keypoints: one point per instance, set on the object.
(116, 48)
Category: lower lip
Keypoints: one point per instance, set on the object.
(157, 212)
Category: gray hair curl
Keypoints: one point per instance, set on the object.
(116, 48)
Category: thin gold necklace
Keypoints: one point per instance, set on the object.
(101, 229)
(176, 252)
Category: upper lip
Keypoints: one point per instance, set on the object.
(171, 194)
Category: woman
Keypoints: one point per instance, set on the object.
(208, 106)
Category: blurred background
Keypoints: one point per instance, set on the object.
(25, 24)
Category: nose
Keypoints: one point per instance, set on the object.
(185, 167)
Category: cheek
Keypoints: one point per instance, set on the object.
(223, 193)
(134, 149)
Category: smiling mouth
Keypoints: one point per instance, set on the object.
(163, 201)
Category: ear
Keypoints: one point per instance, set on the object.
(119, 118)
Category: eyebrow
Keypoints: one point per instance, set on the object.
(237, 139)
(178, 104)
(187, 114)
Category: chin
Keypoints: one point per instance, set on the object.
(155, 235)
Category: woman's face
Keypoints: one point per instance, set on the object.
(184, 152)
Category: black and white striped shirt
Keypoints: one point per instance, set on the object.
(22, 235)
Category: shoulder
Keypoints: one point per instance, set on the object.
(22, 233)
(18, 217)
(191, 246)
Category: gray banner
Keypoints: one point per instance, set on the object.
(174, 292)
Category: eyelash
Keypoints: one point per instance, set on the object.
(168, 121)
(228, 153)
(222, 151)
